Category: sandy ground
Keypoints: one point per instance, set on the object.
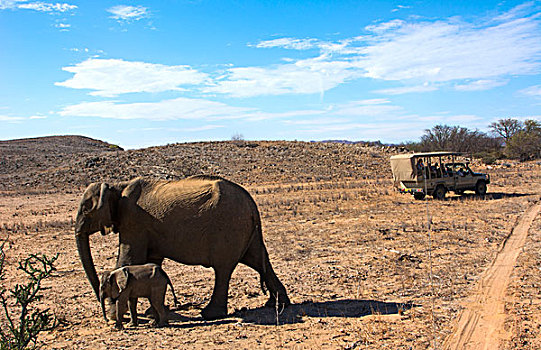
(481, 323)
(365, 268)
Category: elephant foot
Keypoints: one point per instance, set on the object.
(150, 313)
(132, 325)
(213, 313)
(159, 324)
(283, 302)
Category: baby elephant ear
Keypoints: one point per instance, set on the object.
(122, 277)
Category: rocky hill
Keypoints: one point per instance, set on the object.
(67, 162)
(55, 145)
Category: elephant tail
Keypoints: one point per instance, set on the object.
(262, 274)
(175, 300)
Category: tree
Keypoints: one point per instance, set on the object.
(506, 128)
(456, 138)
(525, 144)
(20, 322)
(237, 137)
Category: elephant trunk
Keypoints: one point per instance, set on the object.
(83, 247)
(102, 301)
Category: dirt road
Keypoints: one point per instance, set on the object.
(481, 324)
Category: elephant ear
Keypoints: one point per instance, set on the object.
(122, 277)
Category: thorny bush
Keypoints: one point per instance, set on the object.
(21, 321)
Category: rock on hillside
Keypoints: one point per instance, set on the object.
(241, 161)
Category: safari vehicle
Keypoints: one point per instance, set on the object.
(435, 173)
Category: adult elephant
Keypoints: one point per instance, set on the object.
(201, 220)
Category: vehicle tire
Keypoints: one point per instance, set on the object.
(439, 192)
(481, 188)
(419, 196)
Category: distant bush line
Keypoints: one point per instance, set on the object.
(508, 138)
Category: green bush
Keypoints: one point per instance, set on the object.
(21, 322)
(488, 159)
(525, 144)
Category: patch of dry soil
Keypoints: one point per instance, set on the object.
(481, 324)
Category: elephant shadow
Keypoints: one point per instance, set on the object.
(351, 308)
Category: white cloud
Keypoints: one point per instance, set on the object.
(521, 10)
(317, 121)
(8, 119)
(400, 7)
(36, 6)
(200, 128)
(75, 49)
(260, 115)
(367, 108)
(462, 118)
(302, 77)
(340, 47)
(111, 77)
(128, 13)
(179, 108)
(341, 127)
(385, 26)
(169, 129)
(407, 89)
(200, 109)
(63, 26)
(480, 85)
(289, 43)
(450, 50)
(47, 7)
(532, 91)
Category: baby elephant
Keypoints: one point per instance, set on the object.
(124, 285)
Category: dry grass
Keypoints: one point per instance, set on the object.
(351, 251)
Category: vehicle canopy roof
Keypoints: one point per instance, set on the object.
(403, 165)
(426, 154)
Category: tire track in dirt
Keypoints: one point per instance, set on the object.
(481, 323)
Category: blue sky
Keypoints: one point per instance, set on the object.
(143, 73)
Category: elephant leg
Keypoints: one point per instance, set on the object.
(131, 253)
(257, 258)
(157, 300)
(121, 308)
(217, 307)
(132, 303)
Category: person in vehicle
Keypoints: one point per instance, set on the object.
(420, 167)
